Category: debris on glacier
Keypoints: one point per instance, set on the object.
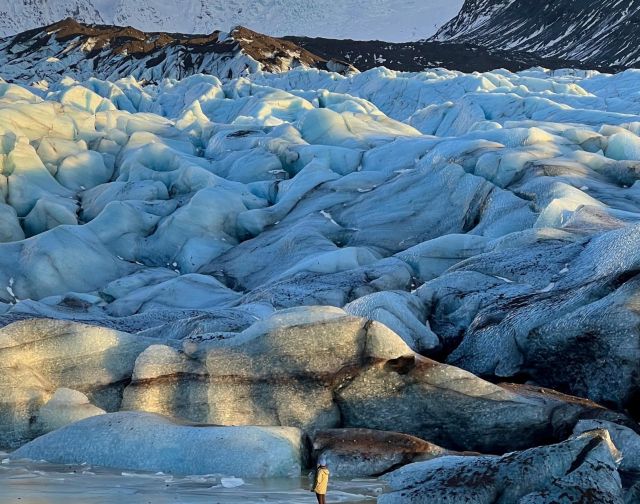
(581, 469)
(364, 452)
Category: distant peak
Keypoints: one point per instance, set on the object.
(124, 51)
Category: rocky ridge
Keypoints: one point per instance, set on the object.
(72, 49)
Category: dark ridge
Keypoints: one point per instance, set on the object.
(597, 33)
(111, 52)
(418, 56)
(116, 51)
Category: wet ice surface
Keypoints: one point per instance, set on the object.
(42, 483)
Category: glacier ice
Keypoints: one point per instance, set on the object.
(563, 472)
(273, 249)
(148, 442)
(66, 406)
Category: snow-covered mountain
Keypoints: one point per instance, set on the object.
(595, 32)
(72, 49)
(357, 19)
(239, 276)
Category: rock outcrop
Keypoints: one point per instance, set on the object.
(592, 32)
(70, 48)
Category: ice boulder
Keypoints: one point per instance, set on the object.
(10, 229)
(38, 120)
(49, 213)
(401, 312)
(30, 180)
(96, 199)
(351, 130)
(40, 356)
(569, 311)
(83, 171)
(319, 368)
(432, 258)
(582, 469)
(625, 439)
(53, 150)
(364, 453)
(23, 393)
(624, 145)
(66, 406)
(187, 291)
(84, 99)
(148, 442)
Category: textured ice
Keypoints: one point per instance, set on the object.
(147, 442)
(490, 220)
(580, 469)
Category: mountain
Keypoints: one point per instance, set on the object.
(423, 54)
(359, 19)
(69, 48)
(594, 32)
(72, 49)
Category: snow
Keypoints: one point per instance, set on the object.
(596, 33)
(377, 19)
(178, 176)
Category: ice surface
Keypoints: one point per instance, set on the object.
(297, 188)
(26, 481)
(209, 241)
(147, 442)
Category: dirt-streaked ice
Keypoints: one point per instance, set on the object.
(272, 249)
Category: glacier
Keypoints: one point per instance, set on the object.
(378, 251)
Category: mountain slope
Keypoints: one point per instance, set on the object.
(595, 32)
(69, 48)
(424, 54)
(383, 19)
(80, 51)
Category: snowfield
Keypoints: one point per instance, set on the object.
(272, 250)
(387, 20)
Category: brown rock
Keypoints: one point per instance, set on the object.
(367, 452)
